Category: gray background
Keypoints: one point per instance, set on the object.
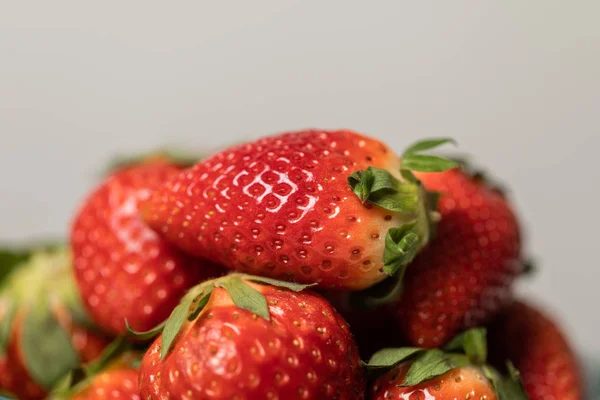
(516, 83)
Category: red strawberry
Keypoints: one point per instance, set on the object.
(42, 332)
(253, 341)
(117, 383)
(284, 207)
(123, 269)
(538, 348)
(458, 383)
(443, 375)
(117, 380)
(466, 273)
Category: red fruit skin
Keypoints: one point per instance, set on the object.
(305, 352)
(466, 273)
(459, 383)
(14, 376)
(282, 207)
(540, 351)
(118, 383)
(123, 269)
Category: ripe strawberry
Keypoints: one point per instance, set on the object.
(434, 374)
(117, 382)
(538, 348)
(114, 375)
(466, 273)
(123, 269)
(233, 338)
(43, 333)
(458, 383)
(284, 207)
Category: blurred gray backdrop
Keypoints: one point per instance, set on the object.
(517, 83)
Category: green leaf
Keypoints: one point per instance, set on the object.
(377, 186)
(174, 324)
(427, 144)
(428, 365)
(296, 287)
(361, 183)
(47, 348)
(390, 357)
(8, 309)
(147, 334)
(246, 297)
(473, 343)
(401, 247)
(507, 387)
(427, 163)
(202, 303)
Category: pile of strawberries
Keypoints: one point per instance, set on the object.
(307, 265)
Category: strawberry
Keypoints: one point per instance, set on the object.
(332, 207)
(114, 375)
(43, 332)
(459, 372)
(466, 273)
(538, 348)
(117, 382)
(123, 269)
(239, 338)
(458, 383)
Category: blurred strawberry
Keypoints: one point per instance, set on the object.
(332, 207)
(123, 269)
(466, 273)
(43, 331)
(237, 338)
(114, 375)
(539, 349)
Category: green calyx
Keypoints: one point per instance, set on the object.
(405, 195)
(243, 296)
(467, 349)
(37, 288)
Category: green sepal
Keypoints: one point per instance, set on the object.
(508, 387)
(377, 186)
(389, 357)
(426, 366)
(246, 297)
(201, 303)
(427, 144)
(47, 347)
(149, 334)
(293, 286)
(242, 295)
(473, 343)
(401, 247)
(468, 348)
(426, 163)
(413, 161)
(8, 311)
(175, 322)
